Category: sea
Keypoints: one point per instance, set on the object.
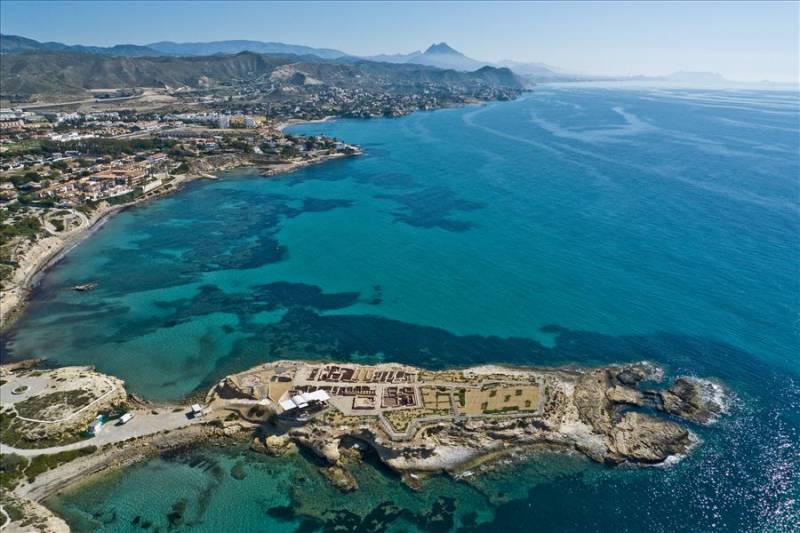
(575, 225)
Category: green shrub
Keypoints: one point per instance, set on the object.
(43, 463)
(27, 227)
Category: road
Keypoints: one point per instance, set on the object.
(45, 105)
(143, 423)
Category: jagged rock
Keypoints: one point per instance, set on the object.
(693, 399)
(340, 478)
(632, 375)
(322, 442)
(279, 445)
(256, 445)
(412, 481)
(591, 401)
(619, 394)
(634, 437)
(641, 438)
(228, 388)
(232, 429)
(351, 454)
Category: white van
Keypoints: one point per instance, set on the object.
(124, 419)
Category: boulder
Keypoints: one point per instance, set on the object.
(279, 445)
(340, 478)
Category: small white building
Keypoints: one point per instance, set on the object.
(301, 401)
(287, 405)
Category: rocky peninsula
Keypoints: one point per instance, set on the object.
(418, 422)
(422, 422)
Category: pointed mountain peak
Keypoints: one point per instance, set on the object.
(441, 48)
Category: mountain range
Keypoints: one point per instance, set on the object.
(68, 73)
(439, 55)
(14, 44)
(234, 47)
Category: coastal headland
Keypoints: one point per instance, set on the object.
(418, 422)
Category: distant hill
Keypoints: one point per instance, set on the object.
(443, 56)
(695, 77)
(14, 44)
(235, 47)
(538, 70)
(66, 73)
(439, 55)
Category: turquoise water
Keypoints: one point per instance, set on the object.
(574, 225)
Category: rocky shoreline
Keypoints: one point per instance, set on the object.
(602, 413)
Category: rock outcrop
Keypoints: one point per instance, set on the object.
(601, 395)
(340, 478)
(694, 399)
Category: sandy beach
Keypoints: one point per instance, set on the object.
(38, 257)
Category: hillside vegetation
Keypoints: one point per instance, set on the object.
(54, 73)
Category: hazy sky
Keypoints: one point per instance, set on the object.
(741, 40)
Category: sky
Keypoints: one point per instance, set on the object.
(750, 41)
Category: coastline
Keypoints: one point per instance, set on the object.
(47, 251)
(13, 300)
(113, 457)
(297, 122)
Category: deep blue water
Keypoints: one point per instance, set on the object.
(575, 225)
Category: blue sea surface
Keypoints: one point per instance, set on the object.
(575, 225)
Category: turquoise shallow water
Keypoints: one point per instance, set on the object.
(574, 225)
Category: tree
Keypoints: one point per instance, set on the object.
(32, 176)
